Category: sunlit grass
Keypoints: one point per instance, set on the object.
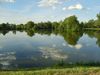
(67, 71)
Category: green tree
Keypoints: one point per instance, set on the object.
(97, 22)
(71, 23)
(45, 25)
(90, 24)
(29, 25)
(98, 16)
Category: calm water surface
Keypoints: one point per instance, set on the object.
(19, 50)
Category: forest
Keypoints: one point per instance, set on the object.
(70, 23)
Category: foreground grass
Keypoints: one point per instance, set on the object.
(66, 71)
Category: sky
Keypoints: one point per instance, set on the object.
(21, 11)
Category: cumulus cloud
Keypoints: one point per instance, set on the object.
(8, 1)
(74, 7)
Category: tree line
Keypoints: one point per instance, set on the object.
(68, 24)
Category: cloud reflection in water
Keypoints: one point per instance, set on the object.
(53, 53)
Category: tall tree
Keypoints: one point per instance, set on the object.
(29, 25)
(71, 23)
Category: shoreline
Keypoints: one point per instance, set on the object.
(65, 71)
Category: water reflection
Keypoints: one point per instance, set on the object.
(53, 53)
(43, 48)
(78, 46)
(6, 59)
(70, 37)
(94, 34)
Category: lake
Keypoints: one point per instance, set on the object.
(25, 49)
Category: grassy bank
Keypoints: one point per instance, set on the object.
(66, 71)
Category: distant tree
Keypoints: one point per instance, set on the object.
(97, 22)
(5, 26)
(19, 27)
(98, 16)
(70, 23)
(90, 24)
(45, 25)
(93, 23)
(55, 25)
(29, 25)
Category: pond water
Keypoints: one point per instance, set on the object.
(44, 49)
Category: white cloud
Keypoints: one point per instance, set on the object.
(10, 1)
(78, 46)
(49, 3)
(46, 3)
(74, 7)
(53, 53)
(64, 8)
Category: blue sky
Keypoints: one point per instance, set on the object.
(21, 11)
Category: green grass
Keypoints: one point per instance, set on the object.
(66, 71)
